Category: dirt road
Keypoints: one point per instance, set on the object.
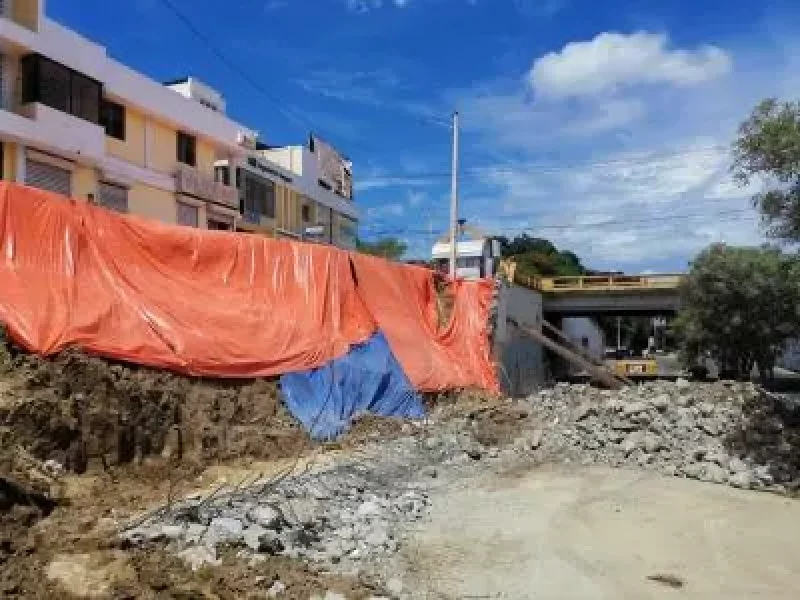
(595, 534)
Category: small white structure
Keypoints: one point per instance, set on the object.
(475, 259)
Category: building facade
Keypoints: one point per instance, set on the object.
(301, 192)
(75, 121)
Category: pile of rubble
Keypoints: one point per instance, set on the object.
(351, 518)
(721, 432)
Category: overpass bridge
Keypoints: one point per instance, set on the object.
(617, 295)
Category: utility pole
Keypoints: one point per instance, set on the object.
(454, 200)
(619, 323)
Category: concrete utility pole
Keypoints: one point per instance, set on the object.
(454, 200)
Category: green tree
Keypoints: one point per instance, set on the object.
(741, 305)
(768, 151)
(537, 256)
(389, 248)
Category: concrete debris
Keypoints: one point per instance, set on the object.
(352, 516)
(727, 432)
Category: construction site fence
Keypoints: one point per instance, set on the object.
(222, 304)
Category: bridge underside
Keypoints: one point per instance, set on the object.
(614, 304)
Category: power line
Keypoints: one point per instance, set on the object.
(650, 220)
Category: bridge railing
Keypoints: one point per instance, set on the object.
(585, 283)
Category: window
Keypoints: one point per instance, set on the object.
(59, 87)
(585, 342)
(113, 196)
(468, 262)
(188, 215)
(259, 198)
(306, 213)
(186, 149)
(324, 184)
(112, 117)
(219, 225)
(222, 175)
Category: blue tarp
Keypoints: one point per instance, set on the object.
(366, 379)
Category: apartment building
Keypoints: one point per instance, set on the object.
(302, 192)
(75, 121)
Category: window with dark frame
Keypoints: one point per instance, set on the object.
(112, 117)
(222, 175)
(188, 215)
(59, 87)
(187, 146)
(259, 197)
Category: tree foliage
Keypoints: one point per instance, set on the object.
(741, 305)
(768, 151)
(537, 256)
(390, 248)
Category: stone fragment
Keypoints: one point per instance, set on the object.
(199, 556)
(742, 480)
(276, 589)
(266, 516)
(224, 530)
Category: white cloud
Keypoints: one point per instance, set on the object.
(415, 198)
(390, 209)
(612, 61)
(364, 6)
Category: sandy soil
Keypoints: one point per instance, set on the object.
(595, 534)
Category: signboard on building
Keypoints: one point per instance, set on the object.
(333, 168)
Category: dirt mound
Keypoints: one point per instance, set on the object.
(83, 411)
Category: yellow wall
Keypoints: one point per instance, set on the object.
(84, 182)
(288, 208)
(152, 203)
(9, 161)
(26, 13)
(163, 148)
(132, 148)
(205, 157)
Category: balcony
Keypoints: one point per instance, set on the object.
(192, 182)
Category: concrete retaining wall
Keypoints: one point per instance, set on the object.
(521, 359)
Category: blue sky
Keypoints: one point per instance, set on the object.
(603, 126)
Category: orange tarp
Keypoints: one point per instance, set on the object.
(218, 303)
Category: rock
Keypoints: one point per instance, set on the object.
(276, 589)
(474, 451)
(536, 438)
(713, 473)
(682, 384)
(737, 465)
(631, 443)
(394, 586)
(661, 403)
(634, 408)
(742, 480)
(369, 508)
(430, 472)
(173, 532)
(652, 443)
(224, 530)
(623, 425)
(763, 475)
(693, 470)
(263, 541)
(199, 556)
(583, 411)
(377, 538)
(493, 452)
(266, 516)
